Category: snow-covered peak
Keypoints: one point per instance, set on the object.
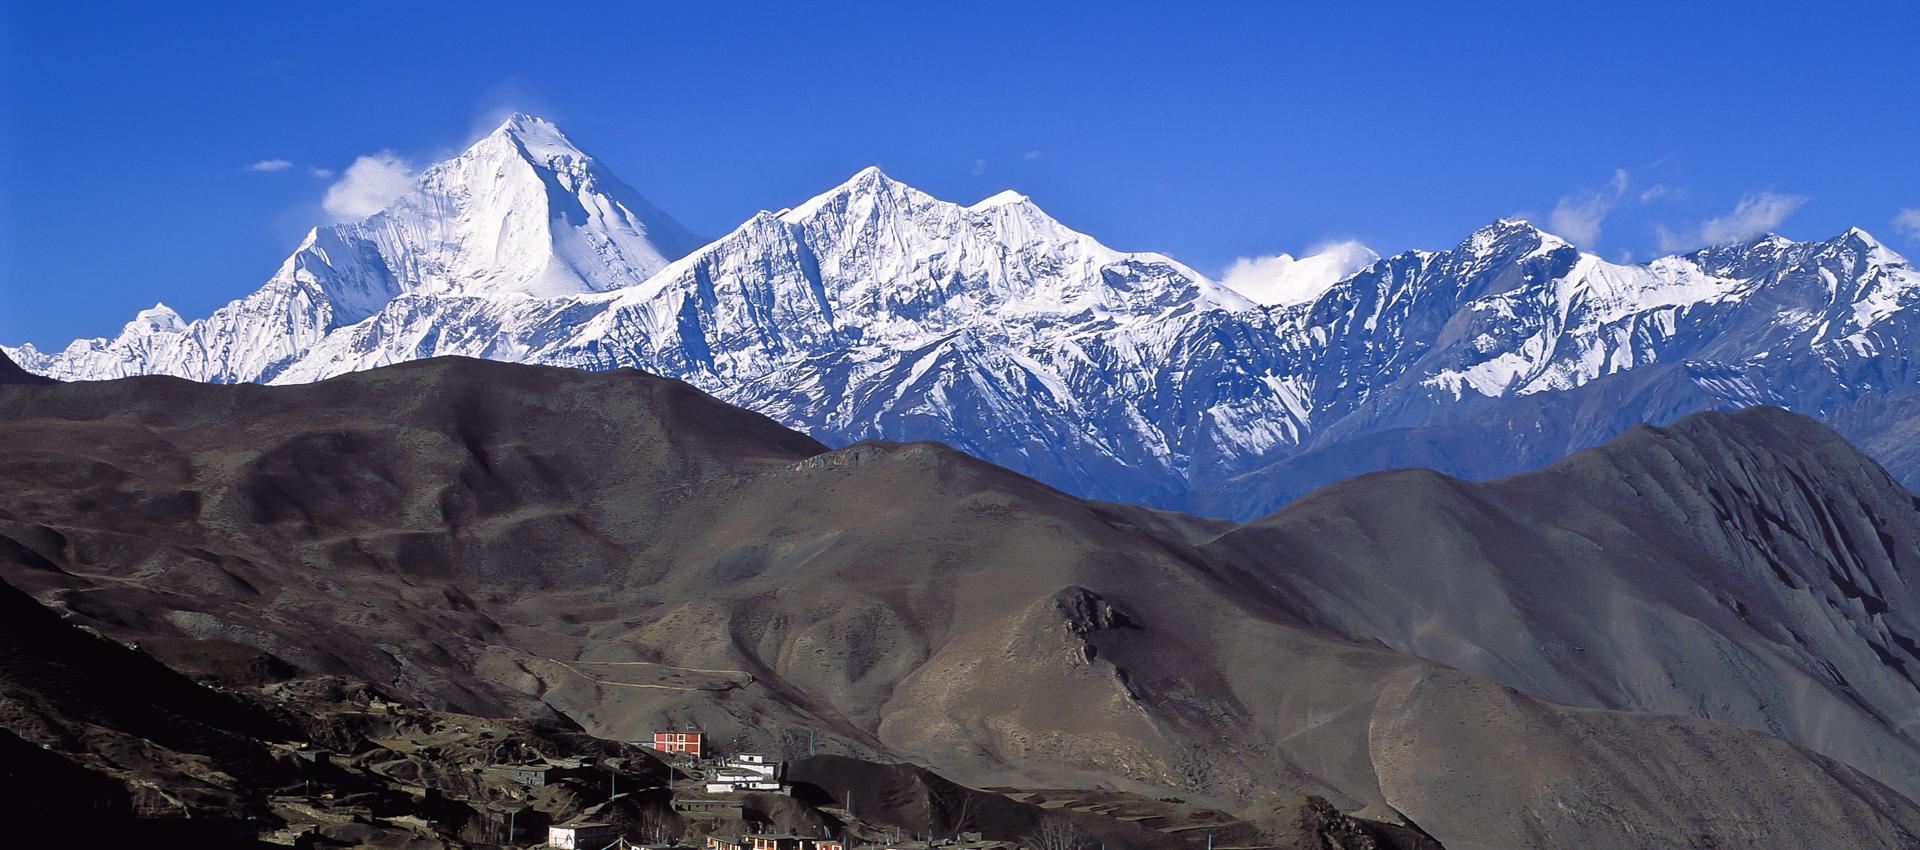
(880, 263)
(1506, 234)
(539, 138)
(1000, 199)
(156, 319)
(1864, 246)
(522, 211)
(869, 182)
(1283, 280)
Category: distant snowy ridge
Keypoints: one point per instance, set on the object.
(876, 310)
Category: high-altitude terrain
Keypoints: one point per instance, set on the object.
(877, 311)
(1700, 635)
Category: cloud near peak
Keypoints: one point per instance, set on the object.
(1282, 279)
(1756, 213)
(270, 165)
(1907, 223)
(1577, 216)
(367, 186)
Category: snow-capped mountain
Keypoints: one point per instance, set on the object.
(876, 310)
(520, 214)
(1515, 348)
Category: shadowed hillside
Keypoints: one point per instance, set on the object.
(626, 552)
(11, 373)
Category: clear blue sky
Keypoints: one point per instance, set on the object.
(1208, 132)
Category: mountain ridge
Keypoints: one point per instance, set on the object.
(874, 310)
(507, 539)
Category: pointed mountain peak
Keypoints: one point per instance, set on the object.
(1858, 237)
(1507, 227)
(1508, 233)
(520, 122)
(523, 210)
(870, 179)
(156, 319)
(867, 182)
(1002, 199)
(523, 125)
(1862, 246)
(539, 138)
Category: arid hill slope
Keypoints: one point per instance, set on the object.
(628, 552)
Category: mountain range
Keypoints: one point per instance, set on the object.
(877, 311)
(1702, 635)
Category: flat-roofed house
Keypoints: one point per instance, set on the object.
(770, 841)
(582, 835)
(728, 780)
(529, 774)
(684, 743)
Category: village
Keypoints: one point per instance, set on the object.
(717, 788)
(379, 774)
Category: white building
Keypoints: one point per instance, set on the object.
(729, 780)
(750, 763)
(581, 835)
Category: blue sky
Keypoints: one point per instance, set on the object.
(1210, 132)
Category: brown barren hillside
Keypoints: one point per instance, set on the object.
(625, 552)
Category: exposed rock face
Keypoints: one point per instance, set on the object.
(1320, 826)
(1086, 612)
(628, 552)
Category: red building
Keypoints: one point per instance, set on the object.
(677, 742)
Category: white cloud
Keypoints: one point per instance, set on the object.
(979, 167)
(1578, 216)
(321, 173)
(1757, 213)
(1654, 193)
(1908, 223)
(1030, 155)
(270, 165)
(368, 185)
(1282, 279)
